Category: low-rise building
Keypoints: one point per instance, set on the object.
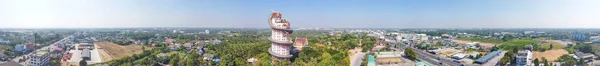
(40, 58)
(20, 48)
(487, 57)
(162, 56)
(585, 56)
(86, 46)
(524, 58)
(459, 56)
(85, 54)
(216, 41)
(388, 57)
(300, 42)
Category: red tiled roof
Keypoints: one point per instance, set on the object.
(301, 41)
(58, 48)
(276, 15)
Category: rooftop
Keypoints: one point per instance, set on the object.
(524, 51)
(488, 56)
(371, 61)
(40, 53)
(86, 53)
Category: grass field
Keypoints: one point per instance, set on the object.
(120, 51)
(520, 42)
(517, 43)
(481, 40)
(555, 45)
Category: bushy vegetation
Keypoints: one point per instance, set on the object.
(236, 48)
(410, 53)
(122, 42)
(567, 60)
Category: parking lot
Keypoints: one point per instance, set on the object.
(95, 56)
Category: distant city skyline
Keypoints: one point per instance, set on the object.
(301, 13)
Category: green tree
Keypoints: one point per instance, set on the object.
(410, 53)
(567, 60)
(283, 63)
(545, 61)
(82, 63)
(494, 48)
(325, 60)
(174, 60)
(507, 58)
(478, 56)
(307, 53)
(190, 62)
(345, 61)
(581, 61)
(536, 62)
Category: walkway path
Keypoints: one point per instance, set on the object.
(356, 59)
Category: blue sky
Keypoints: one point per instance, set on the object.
(301, 13)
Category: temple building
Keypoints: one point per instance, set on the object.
(280, 37)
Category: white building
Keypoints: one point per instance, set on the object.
(280, 37)
(206, 31)
(459, 56)
(40, 58)
(423, 37)
(524, 58)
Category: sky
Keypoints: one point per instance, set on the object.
(301, 13)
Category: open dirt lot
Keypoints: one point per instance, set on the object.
(105, 55)
(448, 52)
(118, 51)
(489, 45)
(551, 55)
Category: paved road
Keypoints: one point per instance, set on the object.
(427, 56)
(16, 59)
(357, 59)
(433, 59)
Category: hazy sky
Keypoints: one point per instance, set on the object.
(301, 13)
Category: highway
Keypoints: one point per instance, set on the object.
(435, 59)
(16, 59)
(430, 58)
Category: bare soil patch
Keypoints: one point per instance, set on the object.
(551, 55)
(105, 55)
(118, 51)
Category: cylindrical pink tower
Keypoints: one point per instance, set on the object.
(280, 37)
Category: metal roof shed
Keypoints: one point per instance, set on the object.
(488, 57)
(371, 61)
